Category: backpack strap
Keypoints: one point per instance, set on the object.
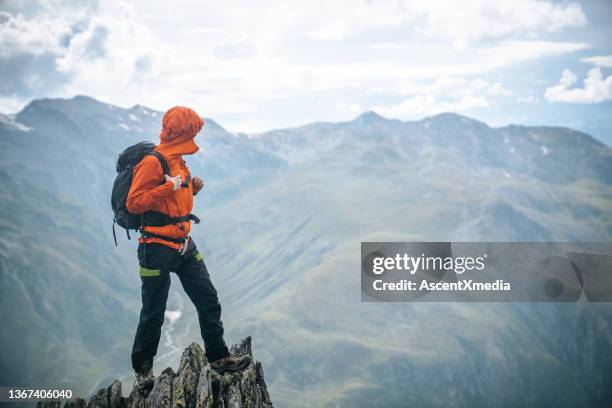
(162, 161)
(114, 235)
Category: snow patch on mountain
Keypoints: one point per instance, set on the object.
(10, 121)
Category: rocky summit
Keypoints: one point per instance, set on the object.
(195, 384)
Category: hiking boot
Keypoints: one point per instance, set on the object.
(145, 378)
(231, 364)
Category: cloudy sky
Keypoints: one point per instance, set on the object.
(253, 66)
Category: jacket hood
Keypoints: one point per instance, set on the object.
(180, 125)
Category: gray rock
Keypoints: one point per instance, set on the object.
(161, 394)
(195, 385)
(186, 382)
(99, 400)
(77, 403)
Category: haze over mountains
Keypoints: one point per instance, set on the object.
(283, 217)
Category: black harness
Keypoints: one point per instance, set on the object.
(157, 219)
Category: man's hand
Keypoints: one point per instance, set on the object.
(176, 181)
(197, 183)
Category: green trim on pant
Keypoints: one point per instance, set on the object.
(145, 273)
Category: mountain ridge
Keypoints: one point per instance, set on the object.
(368, 116)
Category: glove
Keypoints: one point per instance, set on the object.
(183, 248)
(176, 181)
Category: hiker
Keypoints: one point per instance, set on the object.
(169, 248)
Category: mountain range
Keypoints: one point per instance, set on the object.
(283, 214)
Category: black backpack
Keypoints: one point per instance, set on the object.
(128, 159)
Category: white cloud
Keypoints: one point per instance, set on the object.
(460, 23)
(482, 86)
(37, 36)
(447, 94)
(425, 105)
(203, 31)
(513, 51)
(453, 86)
(46, 31)
(604, 61)
(466, 22)
(336, 30)
(393, 46)
(595, 89)
(530, 99)
(114, 55)
(243, 49)
(349, 108)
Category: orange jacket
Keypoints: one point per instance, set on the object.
(180, 126)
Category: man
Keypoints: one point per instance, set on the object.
(168, 248)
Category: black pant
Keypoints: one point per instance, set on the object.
(156, 261)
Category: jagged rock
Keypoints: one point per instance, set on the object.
(244, 389)
(194, 385)
(186, 382)
(77, 403)
(99, 400)
(105, 398)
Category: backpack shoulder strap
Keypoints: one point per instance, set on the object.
(162, 161)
